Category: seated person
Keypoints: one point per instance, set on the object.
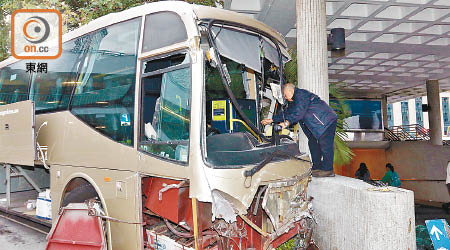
(363, 173)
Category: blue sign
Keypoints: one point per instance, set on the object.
(438, 232)
(125, 120)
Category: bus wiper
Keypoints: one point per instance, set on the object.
(225, 83)
(276, 153)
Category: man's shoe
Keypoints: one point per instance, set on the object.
(315, 171)
(323, 173)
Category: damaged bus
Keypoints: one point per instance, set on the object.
(149, 123)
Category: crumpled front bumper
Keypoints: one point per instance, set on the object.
(286, 206)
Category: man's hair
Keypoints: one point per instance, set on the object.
(288, 86)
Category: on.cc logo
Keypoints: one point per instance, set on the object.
(36, 34)
(36, 29)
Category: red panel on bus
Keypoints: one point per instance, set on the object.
(175, 204)
(76, 230)
(170, 201)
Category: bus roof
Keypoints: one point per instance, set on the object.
(179, 7)
(205, 12)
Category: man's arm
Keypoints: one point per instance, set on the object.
(278, 117)
(295, 112)
(386, 178)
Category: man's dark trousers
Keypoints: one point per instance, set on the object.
(322, 150)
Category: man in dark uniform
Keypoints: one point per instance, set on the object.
(318, 122)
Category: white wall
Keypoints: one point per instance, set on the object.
(397, 113)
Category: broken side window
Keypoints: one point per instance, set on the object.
(243, 48)
(166, 92)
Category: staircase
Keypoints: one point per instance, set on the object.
(413, 132)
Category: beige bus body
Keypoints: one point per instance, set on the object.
(115, 170)
(17, 137)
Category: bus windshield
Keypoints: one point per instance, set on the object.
(250, 66)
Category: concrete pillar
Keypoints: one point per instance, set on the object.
(397, 112)
(384, 111)
(426, 124)
(312, 58)
(434, 115)
(412, 111)
(312, 47)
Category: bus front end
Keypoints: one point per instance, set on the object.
(248, 183)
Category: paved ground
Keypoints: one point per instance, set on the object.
(14, 236)
(424, 212)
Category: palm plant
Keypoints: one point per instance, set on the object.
(342, 153)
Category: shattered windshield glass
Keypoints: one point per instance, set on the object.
(249, 64)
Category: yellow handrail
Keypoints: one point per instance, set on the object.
(238, 120)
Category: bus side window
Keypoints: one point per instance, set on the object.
(104, 91)
(14, 83)
(51, 90)
(166, 91)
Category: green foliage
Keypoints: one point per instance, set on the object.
(90, 10)
(4, 34)
(74, 13)
(423, 239)
(206, 2)
(342, 153)
(288, 245)
(290, 69)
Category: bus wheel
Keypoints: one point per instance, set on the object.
(79, 195)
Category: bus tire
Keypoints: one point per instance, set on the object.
(79, 195)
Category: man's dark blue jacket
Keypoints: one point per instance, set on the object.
(308, 108)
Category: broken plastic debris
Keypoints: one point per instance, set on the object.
(226, 207)
(381, 189)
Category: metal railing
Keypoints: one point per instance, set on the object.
(413, 132)
(390, 136)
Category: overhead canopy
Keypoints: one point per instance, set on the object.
(393, 46)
